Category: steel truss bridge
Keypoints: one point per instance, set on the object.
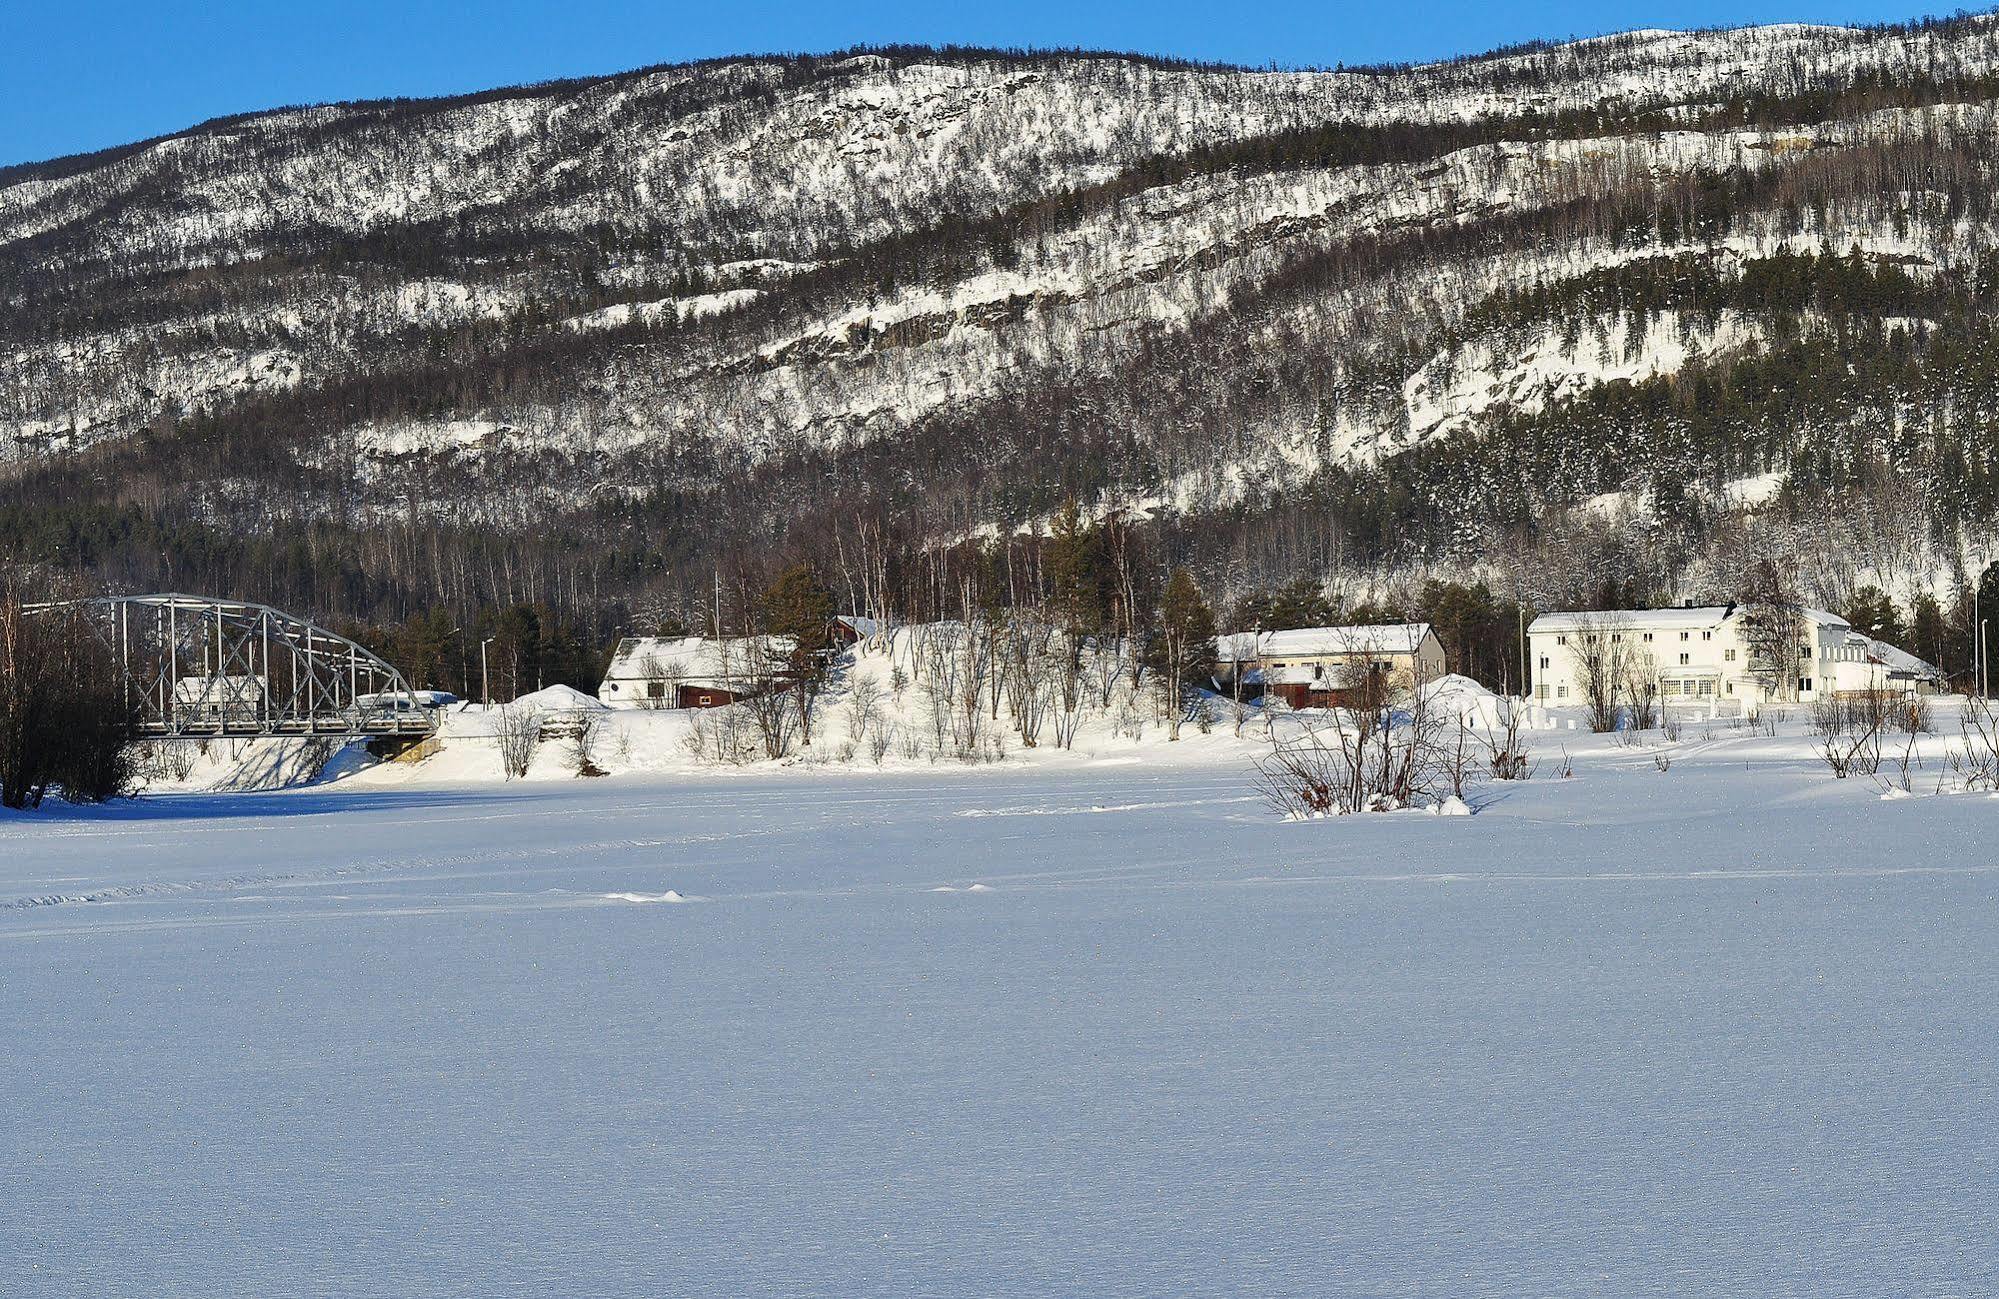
(201, 668)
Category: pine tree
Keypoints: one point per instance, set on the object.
(798, 606)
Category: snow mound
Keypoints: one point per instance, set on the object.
(668, 896)
(1452, 690)
(1452, 806)
(560, 699)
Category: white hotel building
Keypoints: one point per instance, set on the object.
(1699, 657)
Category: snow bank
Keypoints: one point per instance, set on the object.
(560, 699)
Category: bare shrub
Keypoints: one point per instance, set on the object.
(1853, 752)
(165, 760)
(1359, 760)
(583, 743)
(1976, 763)
(864, 704)
(1506, 757)
(722, 735)
(1913, 715)
(519, 733)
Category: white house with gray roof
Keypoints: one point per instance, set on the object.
(1316, 667)
(1698, 655)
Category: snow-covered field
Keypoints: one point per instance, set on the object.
(1099, 1026)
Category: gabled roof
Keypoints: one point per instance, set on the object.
(693, 659)
(1688, 617)
(1329, 642)
(1898, 661)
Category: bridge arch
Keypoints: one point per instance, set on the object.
(197, 667)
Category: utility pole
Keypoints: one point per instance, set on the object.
(485, 682)
(1521, 609)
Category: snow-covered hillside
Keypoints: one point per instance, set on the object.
(690, 308)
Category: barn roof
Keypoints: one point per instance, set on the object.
(1330, 642)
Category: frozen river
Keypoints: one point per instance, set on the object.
(1729, 1029)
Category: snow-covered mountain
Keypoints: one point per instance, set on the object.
(604, 333)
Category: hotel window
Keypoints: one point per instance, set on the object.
(1561, 640)
(1544, 660)
(1729, 655)
(1648, 638)
(1561, 692)
(1684, 660)
(1707, 635)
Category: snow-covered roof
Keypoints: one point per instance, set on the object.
(1675, 618)
(1300, 642)
(558, 699)
(1898, 660)
(692, 659)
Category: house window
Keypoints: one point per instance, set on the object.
(1544, 660)
(1683, 635)
(707, 700)
(1561, 692)
(1684, 660)
(1561, 640)
(1707, 635)
(1707, 688)
(1804, 652)
(1616, 636)
(1648, 638)
(1804, 685)
(1729, 655)
(655, 690)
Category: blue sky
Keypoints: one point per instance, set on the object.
(83, 74)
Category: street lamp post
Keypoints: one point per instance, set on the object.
(485, 682)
